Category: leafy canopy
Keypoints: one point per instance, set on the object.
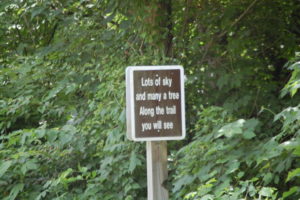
(62, 97)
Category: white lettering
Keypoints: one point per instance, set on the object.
(146, 126)
(140, 96)
(171, 110)
(154, 96)
(167, 82)
(146, 82)
(168, 125)
(146, 111)
(157, 125)
(159, 110)
(173, 95)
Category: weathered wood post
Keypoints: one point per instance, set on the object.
(157, 171)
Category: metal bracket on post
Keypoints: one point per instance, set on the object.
(157, 171)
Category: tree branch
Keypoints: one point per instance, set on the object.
(239, 18)
(209, 44)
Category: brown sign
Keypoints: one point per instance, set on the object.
(155, 103)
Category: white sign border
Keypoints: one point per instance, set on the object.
(130, 114)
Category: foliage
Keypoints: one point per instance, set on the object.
(62, 106)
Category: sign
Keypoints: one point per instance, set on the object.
(155, 105)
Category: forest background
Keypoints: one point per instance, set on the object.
(62, 97)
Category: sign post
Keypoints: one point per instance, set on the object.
(157, 171)
(155, 112)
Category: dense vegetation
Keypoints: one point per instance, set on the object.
(62, 97)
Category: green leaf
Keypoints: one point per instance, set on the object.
(266, 191)
(268, 178)
(185, 180)
(252, 190)
(231, 129)
(292, 174)
(291, 191)
(4, 167)
(122, 116)
(64, 138)
(208, 197)
(297, 151)
(233, 166)
(251, 124)
(53, 92)
(36, 11)
(51, 135)
(40, 132)
(15, 191)
(134, 161)
(249, 134)
(290, 145)
(29, 165)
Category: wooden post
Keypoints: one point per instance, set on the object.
(157, 171)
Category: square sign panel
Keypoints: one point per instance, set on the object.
(155, 107)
